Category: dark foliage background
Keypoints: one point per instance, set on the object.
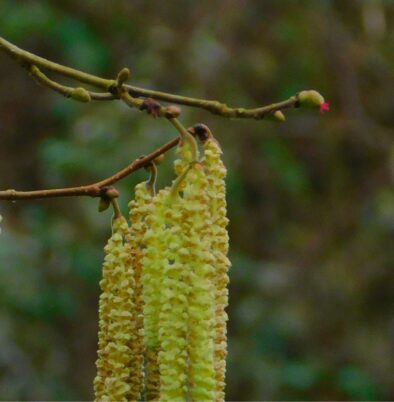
(311, 201)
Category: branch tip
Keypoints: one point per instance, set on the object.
(123, 76)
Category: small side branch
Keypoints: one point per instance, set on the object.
(138, 98)
(23, 57)
(78, 93)
(27, 59)
(92, 190)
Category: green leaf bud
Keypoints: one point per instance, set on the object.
(104, 204)
(123, 76)
(80, 94)
(310, 99)
(276, 116)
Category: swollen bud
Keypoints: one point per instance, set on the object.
(276, 116)
(172, 111)
(112, 193)
(80, 94)
(123, 76)
(159, 159)
(311, 99)
(104, 204)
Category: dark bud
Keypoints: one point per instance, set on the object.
(172, 111)
(104, 204)
(201, 131)
(151, 106)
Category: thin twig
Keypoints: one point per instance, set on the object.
(24, 58)
(92, 190)
(68, 92)
(116, 89)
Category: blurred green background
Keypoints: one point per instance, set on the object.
(311, 201)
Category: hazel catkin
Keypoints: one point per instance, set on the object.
(197, 233)
(175, 287)
(164, 287)
(193, 253)
(216, 173)
(139, 208)
(151, 279)
(116, 321)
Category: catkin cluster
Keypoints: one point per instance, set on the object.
(162, 312)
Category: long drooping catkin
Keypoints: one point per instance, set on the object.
(194, 253)
(216, 172)
(196, 225)
(173, 319)
(167, 285)
(116, 321)
(139, 209)
(173, 323)
(152, 275)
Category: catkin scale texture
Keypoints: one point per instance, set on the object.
(216, 173)
(196, 226)
(165, 288)
(173, 316)
(173, 313)
(116, 321)
(152, 275)
(139, 208)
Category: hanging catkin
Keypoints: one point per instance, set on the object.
(139, 208)
(152, 276)
(173, 318)
(165, 287)
(216, 172)
(116, 321)
(195, 254)
(173, 312)
(197, 232)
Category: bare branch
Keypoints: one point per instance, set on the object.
(25, 58)
(92, 190)
(117, 89)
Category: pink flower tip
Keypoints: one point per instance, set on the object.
(324, 107)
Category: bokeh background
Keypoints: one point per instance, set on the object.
(311, 201)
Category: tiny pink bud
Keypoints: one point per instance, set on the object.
(324, 107)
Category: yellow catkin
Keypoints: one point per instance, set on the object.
(116, 321)
(173, 319)
(152, 386)
(196, 229)
(216, 173)
(165, 293)
(139, 209)
(187, 308)
(152, 285)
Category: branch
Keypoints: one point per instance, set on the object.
(24, 58)
(78, 93)
(92, 190)
(27, 59)
(117, 89)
